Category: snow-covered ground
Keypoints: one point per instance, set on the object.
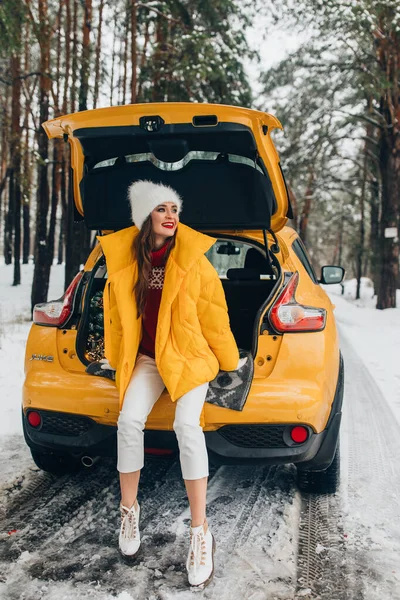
(374, 334)
(61, 534)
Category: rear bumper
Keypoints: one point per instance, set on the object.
(87, 437)
(97, 440)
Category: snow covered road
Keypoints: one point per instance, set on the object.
(348, 544)
(58, 537)
(67, 531)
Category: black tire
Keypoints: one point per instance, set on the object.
(321, 482)
(56, 464)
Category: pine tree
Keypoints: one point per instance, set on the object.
(360, 43)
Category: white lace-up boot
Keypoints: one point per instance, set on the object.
(129, 536)
(200, 561)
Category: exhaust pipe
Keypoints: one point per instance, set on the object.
(89, 461)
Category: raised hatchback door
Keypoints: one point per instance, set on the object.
(221, 159)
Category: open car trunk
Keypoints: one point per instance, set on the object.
(247, 278)
(220, 159)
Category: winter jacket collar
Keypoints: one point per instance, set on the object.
(189, 247)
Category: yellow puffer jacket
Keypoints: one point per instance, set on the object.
(193, 339)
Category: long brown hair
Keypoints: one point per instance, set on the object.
(142, 248)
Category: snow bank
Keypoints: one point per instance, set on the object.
(374, 334)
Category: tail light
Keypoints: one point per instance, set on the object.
(287, 315)
(34, 418)
(299, 434)
(57, 312)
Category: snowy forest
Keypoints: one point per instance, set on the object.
(336, 94)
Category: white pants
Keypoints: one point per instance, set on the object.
(144, 389)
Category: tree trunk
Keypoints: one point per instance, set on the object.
(74, 237)
(389, 246)
(134, 51)
(97, 61)
(85, 63)
(294, 204)
(361, 241)
(55, 193)
(4, 166)
(388, 54)
(64, 151)
(157, 93)
(375, 261)
(8, 204)
(125, 56)
(143, 60)
(74, 55)
(8, 221)
(305, 213)
(15, 159)
(341, 231)
(67, 55)
(40, 285)
(61, 239)
(27, 169)
(113, 56)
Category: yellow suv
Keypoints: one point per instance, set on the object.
(222, 160)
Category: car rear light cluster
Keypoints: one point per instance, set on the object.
(287, 315)
(57, 312)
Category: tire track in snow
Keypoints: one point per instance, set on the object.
(84, 546)
(340, 544)
(255, 535)
(246, 507)
(33, 483)
(320, 552)
(371, 497)
(72, 505)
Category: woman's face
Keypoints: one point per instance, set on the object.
(165, 219)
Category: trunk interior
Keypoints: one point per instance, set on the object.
(247, 277)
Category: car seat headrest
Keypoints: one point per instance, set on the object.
(255, 260)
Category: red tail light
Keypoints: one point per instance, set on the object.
(287, 315)
(57, 312)
(299, 434)
(34, 418)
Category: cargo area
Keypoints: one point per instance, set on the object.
(248, 279)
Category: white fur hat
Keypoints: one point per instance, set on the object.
(144, 196)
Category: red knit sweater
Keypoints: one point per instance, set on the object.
(156, 283)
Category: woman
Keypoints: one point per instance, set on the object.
(166, 325)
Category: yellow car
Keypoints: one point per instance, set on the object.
(222, 160)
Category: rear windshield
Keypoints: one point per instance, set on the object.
(230, 254)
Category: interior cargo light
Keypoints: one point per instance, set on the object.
(287, 315)
(299, 434)
(56, 312)
(34, 418)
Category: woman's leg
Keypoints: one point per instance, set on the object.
(143, 390)
(197, 490)
(194, 464)
(192, 450)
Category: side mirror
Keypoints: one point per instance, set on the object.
(228, 248)
(331, 274)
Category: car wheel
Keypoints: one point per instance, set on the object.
(321, 482)
(56, 464)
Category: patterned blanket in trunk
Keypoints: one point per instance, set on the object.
(229, 389)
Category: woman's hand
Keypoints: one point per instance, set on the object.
(242, 361)
(105, 365)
